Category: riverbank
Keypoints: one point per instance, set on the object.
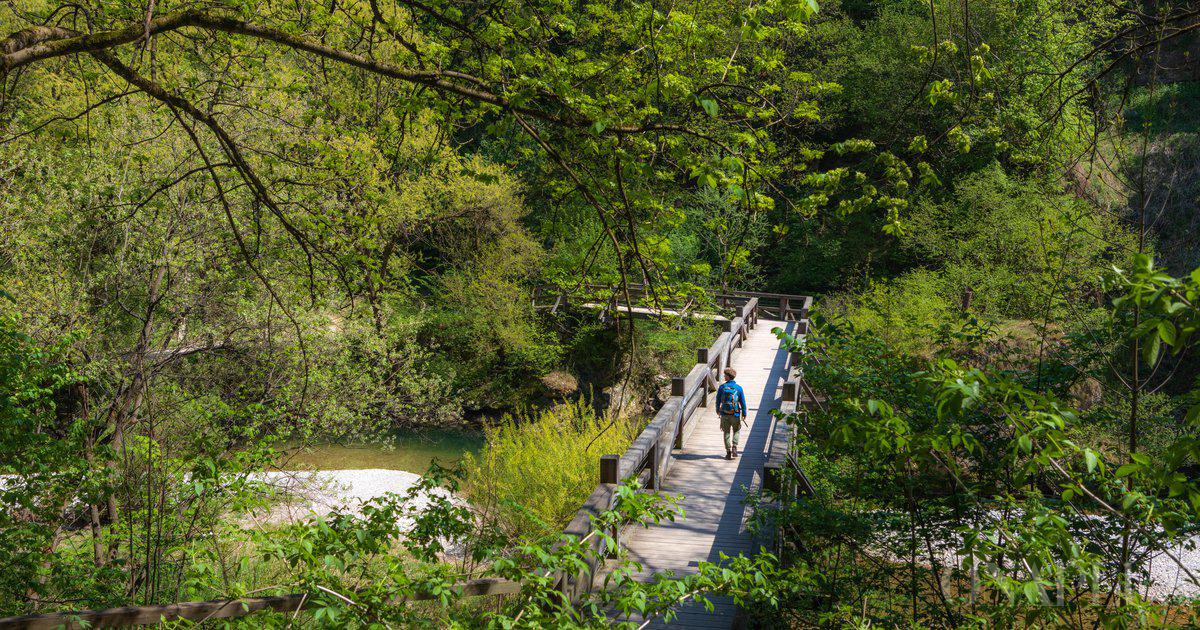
(308, 493)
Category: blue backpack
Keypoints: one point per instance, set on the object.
(727, 399)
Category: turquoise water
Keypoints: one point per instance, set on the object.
(411, 450)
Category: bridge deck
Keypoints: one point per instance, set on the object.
(712, 488)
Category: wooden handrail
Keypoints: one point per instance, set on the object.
(216, 609)
(781, 446)
(785, 307)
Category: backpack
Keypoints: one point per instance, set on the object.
(727, 399)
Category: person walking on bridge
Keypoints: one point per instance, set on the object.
(731, 406)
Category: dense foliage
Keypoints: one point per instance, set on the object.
(228, 228)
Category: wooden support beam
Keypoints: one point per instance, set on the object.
(608, 468)
(789, 391)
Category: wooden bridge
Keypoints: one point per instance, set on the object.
(681, 452)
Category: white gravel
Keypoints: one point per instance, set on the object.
(1168, 579)
(1164, 578)
(317, 493)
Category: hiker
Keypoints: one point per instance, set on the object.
(731, 406)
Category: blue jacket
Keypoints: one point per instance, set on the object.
(741, 395)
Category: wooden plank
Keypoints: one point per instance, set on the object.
(218, 609)
(695, 379)
(719, 349)
(777, 455)
(601, 500)
(635, 455)
(689, 416)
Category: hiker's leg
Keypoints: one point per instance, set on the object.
(735, 436)
(725, 430)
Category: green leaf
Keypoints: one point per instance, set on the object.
(1166, 332)
(1152, 349)
(1090, 457)
(1033, 592)
(709, 106)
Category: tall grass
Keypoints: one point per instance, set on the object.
(536, 471)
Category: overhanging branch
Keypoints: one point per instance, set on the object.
(41, 43)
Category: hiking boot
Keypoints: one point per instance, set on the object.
(735, 451)
(728, 454)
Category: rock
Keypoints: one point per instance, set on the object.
(662, 393)
(1087, 393)
(620, 400)
(560, 383)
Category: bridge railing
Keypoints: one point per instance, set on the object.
(779, 306)
(649, 457)
(797, 397)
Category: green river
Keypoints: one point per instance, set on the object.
(410, 449)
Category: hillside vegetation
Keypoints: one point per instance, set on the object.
(229, 229)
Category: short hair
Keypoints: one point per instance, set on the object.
(730, 374)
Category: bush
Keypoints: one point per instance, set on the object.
(902, 311)
(535, 472)
(672, 349)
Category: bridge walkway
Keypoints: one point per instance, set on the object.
(712, 488)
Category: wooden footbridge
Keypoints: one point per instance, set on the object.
(680, 452)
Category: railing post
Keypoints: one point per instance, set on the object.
(654, 466)
(789, 391)
(608, 468)
(802, 327)
(784, 309)
(702, 359)
(678, 388)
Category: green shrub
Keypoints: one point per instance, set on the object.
(672, 350)
(535, 472)
(901, 311)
